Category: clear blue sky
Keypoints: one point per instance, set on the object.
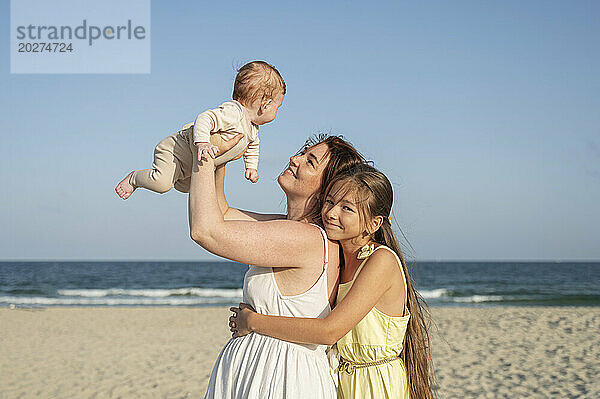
(484, 115)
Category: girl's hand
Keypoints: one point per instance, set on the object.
(238, 322)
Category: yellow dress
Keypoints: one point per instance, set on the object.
(377, 336)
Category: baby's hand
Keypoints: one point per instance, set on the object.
(252, 175)
(205, 150)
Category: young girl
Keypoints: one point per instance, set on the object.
(378, 322)
(258, 92)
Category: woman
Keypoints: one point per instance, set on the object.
(378, 323)
(294, 273)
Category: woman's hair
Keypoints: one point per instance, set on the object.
(375, 198)
(257, 80)
(342, 155)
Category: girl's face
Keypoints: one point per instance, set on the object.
(303, 176)
(341, 213)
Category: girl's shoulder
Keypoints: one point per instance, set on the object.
(379, 265)
(383, 257)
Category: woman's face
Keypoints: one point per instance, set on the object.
(340, 213)
(302, 178)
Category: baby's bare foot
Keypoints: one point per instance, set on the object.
(124, 189)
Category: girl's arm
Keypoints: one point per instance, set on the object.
(370, 285)
(276, 243)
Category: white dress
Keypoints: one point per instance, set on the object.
(258, 366)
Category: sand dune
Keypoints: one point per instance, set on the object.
(169, 352)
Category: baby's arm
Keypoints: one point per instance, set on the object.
(251, 160)
(227, 117)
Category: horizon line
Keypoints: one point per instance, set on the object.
(437, 260)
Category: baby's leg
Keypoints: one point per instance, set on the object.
(184, 151)
(162, 175)
(183, 185)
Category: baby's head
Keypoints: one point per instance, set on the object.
(259, 87)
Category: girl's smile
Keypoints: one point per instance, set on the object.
(341, 213)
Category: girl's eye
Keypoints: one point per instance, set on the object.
(329, 202)
(347, 208)
(311, 162)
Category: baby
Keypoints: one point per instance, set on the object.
(258, 92)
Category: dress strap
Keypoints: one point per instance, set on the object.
(326, 241)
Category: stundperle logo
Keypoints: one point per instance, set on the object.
(85, 31)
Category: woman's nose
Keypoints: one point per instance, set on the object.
(294, 160)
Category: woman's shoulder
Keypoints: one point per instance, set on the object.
(333, 247)
(331, 243)
(312, 234)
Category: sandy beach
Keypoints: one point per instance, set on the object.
(168, 352)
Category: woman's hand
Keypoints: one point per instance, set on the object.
(225, 145)
(238, 322)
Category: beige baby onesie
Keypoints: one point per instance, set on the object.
(173, 156)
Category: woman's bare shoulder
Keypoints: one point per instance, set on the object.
(333, 249)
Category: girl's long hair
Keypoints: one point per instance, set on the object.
(375, 199)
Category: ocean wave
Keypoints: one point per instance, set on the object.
(154, 293)
(172, 301)
(479, 299)
(437, 293)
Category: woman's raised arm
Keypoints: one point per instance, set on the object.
(233, 213)
(276, 243)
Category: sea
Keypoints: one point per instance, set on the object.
(196, 284)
